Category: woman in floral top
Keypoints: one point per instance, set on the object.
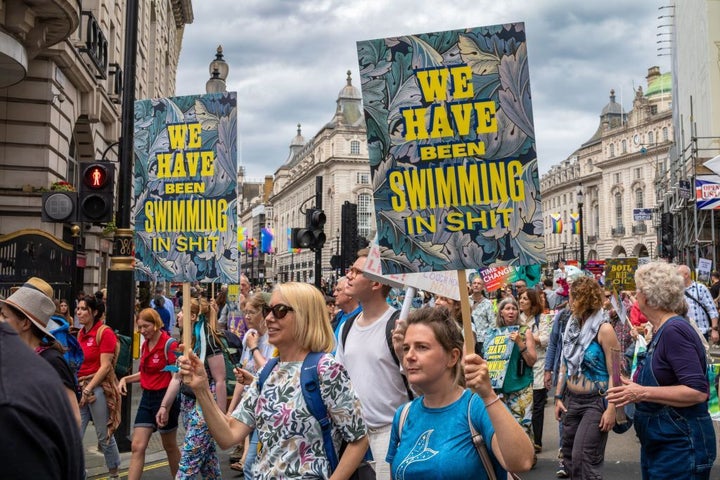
(290, 435)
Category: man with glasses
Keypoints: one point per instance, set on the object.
(370, 362)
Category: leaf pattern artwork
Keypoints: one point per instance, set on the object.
(452, 149)
(185, 173)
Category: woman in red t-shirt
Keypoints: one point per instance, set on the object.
(100, 401)
(157, 353)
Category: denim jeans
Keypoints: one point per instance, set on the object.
(251, 455)
(674, 446)
(98, 413)
(583, 443)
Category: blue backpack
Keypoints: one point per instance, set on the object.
(311, 393)
(73, 351)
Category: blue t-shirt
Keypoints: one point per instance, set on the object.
(436, 442)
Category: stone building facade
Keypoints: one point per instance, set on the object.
(60, 100)
(617, 169)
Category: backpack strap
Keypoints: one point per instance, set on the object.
(98, 335)
(313, 398)
(265, 372)
(480, 446)
(403, 416)
(346, 328)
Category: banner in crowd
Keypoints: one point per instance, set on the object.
(620, 273)
(452, 149)
(497, 277)
(707, 192)
(185, 188)
(497, 350)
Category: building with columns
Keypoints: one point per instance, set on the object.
(60, 96)
(338, 154)
(617, 170)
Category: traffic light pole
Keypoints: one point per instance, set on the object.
(318, 251)
(121, 280)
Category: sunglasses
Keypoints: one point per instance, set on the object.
(279, 311)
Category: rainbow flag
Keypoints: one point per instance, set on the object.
(574, 223)
(557, 224)
(266, 240)
(289, 236)
(241, 239)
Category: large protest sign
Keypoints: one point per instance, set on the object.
(185, 180)
(497, 350)
(497, 277)
(452, 149)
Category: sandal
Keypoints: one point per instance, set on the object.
(237, 466)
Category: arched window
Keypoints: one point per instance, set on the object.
(639, 198)
(618, 210)
(665, 134)
(612, 150)
(624, 146)
(355, 147)
(651, 137)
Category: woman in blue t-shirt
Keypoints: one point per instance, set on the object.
(431, 436)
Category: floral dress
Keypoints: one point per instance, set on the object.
(290, 437)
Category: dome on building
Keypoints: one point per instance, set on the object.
(660, 84)
(612, 116)
(612, 108)
(349, 106)
(297, 143)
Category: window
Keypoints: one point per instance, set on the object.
(665, 134)
(651, 137)
(363, 178)
(612, 150)
(355, 147)
(364, 212)
(624, 146)
(637, 173)
(616, 178)
(639, 198)
(618, 210)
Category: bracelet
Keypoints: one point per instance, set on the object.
(163, 406)
(497, 397)
(558, 397)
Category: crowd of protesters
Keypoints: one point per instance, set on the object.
(403, 397)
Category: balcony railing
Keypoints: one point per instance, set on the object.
(639, 229)
(618, 231)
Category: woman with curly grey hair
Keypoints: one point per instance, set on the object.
(587, 360)
(670, 389)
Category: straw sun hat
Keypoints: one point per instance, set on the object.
(34, 300)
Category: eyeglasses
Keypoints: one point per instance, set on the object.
(279, 311)
(355, 271)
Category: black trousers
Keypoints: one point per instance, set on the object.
(538, 414)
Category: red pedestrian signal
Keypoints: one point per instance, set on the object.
(97, 191)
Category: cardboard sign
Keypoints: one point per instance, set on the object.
(185, 188)
(497, 350)
(452, 149)
(620, 273)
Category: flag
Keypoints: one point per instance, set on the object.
(574, 223)
(266, 240)
(556, 223)
(241, 239)
(292, 250)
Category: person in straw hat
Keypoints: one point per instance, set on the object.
(28, 311)
(39, 437)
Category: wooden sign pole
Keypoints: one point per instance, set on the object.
(466, 314)
(187, 321)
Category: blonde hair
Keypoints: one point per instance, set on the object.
(312, 328)
(151, 315)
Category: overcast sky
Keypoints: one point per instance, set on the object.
(288, 60)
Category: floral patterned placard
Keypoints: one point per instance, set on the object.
(452, 149)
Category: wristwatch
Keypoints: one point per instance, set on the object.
(252, 350)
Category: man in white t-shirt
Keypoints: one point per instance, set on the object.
(374, 373)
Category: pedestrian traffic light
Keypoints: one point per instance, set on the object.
(312, 236)
(58, 207)
(97, 191)
(667, 235)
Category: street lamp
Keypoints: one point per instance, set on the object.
(580, 194)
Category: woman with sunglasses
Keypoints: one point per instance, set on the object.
(291, 437)
(255, 355)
